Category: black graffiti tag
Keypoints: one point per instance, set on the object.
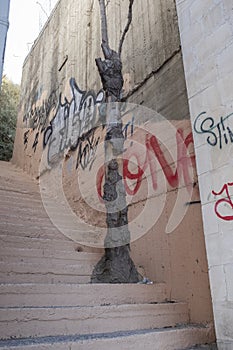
(87, 148)
(217, 134)
(37, 116)
(73, 118)
(25, 138)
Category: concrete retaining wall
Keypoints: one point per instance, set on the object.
(60, 78)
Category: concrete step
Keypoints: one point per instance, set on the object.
(204, 347)
(45, 295)
(20, 198)
(32, 230)
(38, 227)
(25, 254)
(9, 179)
(29, 213)
(22, 191)
(12, 176)
(19, 242)
(27, 220)
(17, 184)
(176, 338)
(22, 211)
(22, 272)
(40, 322)
(42, 278)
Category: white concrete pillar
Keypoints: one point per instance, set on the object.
(206, 31)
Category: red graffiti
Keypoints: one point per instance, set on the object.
(227, 201)
(154, 154)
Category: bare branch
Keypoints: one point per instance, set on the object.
(104, 26)
(130, 16)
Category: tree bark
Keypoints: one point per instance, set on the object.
(116, 266)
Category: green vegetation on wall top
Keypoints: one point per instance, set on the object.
(9, 100)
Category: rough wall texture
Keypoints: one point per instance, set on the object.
(58, 113)
(206, 29)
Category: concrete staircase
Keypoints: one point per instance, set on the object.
(46, 301)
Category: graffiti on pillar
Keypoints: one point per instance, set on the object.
(218, 133)
(224, 206)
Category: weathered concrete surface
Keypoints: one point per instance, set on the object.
(164, 91)
(206, 29)
(154, 77)
(152, 62)
(32, 249)
(54, 321)
(50, 310)
(204, 347)
(170, 338)
(42, 295)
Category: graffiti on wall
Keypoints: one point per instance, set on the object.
(154, 155)
(71, 119)
(25, 138)
(75, 121)
(218, 133)
(225, 203)
(87, 147)
(37, 117)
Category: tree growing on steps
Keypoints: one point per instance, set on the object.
(116, 266)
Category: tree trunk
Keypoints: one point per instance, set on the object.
(116, 266)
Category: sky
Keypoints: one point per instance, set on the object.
(26, 18)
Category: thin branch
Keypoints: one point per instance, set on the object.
(130, 16)
(104, 26)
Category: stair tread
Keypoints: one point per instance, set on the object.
(31, 269)
(84, 339)
(77, 286)
(66, 294)
(40, 255)
(45, 244)
(36, 265)
(204, 347)
(51, 339)
(151, 307)
(62, 320)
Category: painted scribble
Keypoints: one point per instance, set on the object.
(73, 119)
(25, 138)
(224, 202)
(87, 147)
(218, 133)
(73, 122)
(153, 156)
(70, 119)
(37, 116)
